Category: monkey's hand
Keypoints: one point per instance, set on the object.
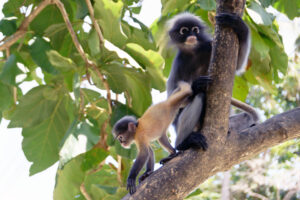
(200, 84)
(131, 185)
(170, 157)
(144, 176)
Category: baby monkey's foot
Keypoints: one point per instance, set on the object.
(170, 157)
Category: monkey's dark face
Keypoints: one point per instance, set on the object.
(188, 33)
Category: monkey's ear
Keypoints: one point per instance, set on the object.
(131, 127)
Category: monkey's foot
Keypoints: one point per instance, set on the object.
(170, 157)
(131, 185)
(199, 85)
(194, 140)
(144, 176)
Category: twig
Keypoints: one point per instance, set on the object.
(119, 171)
(24, 26)
(84, 192)
(79, 48)
(96, 25)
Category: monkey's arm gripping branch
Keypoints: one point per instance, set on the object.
(136, 168)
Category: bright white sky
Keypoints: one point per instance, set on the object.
(15, 182)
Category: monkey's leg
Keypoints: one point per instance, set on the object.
(149, 166)
(136, 168)
(194, 140)
(163, 140)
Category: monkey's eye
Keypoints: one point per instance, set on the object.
(183, 30)
(120, 138)
(195, 29)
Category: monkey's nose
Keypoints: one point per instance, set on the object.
(191, 40)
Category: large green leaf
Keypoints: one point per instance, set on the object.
(173, 6)
(141, 36)
(134, 81)
(41, 142)
(240, 89)
(8, 27)
(35, 107)
(68, 180)
(80, 137)
(50, 15)
(12, 7)
(38, 52)
(258, 14)
(6, 97)
(10, 71)
(152, 61)
(290, 7)
(207, 4)
(108, 14)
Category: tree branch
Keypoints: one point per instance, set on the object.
(79, 48)
(96, 25)
(24, 26)
(186, 172)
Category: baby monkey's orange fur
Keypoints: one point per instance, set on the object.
(151, 126)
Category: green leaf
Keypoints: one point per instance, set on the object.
(279, 59)
(41, 142)
(142, 36)
(8, 27)
(259, 44)
(291, 7)
(34, 108)
(6, 97)
(108, 15)
(49, 16)
(116, 77)
(93, 42)
(79, 138)
(63, 64)
(93, 158)
(240, 89)
(12, 7)
(10, 71)
(90, 95)
(38, 52)
(139, 90)
(170, 6)
(150, 60)
(258, 14)
(104, 179)
(82, 9)
(207, 4)
(68, 180)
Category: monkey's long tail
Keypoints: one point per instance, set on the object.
(245, 107)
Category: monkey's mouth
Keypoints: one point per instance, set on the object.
(191, 41)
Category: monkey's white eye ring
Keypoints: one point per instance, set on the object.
(183, 30)
(195, 29)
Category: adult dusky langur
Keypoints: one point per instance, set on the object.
(188, 33)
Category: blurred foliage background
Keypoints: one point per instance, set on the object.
(88, 76)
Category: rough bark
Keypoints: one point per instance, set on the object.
(186, 172)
